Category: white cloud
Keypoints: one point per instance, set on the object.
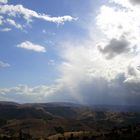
(115, 22)
(51, 62)
(1, 20)
(22, 93)
(5, 29)
(10, 13)
(31, 46)
(13, 23)
(44, 31)
(3, 1)
(89, 76)
(15, 10)
(3, 64)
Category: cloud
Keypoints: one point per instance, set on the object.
(5, 29)
(22, 93)
(115, 47)
(1, 20)
(13, 23)
(132, 71)
(135, 2)
(12, 13)
(3, 1)
(115, 22)
(52, 62)
(4, 65)
(27, 14)
(90, 78)
(31, 46)
(131, 4)
(85, 77)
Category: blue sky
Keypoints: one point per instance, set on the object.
(34, 64)
(70, 50)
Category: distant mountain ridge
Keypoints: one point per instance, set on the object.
(118, 108)
(12, 110)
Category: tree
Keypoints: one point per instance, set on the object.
(59, 130)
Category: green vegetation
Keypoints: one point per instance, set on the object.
(3, 122)
(59, 130)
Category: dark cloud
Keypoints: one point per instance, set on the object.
(101, 91)
(132, 71)
(138, 68)
(117, 91)
(135, 2)
(115, 47)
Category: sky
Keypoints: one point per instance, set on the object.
(79, 51)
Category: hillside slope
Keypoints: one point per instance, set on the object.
(48, 118)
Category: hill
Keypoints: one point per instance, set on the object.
(46, 119)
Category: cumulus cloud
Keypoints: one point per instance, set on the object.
(3, 64)
(31, 46)
(115, 47)
(91, 78)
